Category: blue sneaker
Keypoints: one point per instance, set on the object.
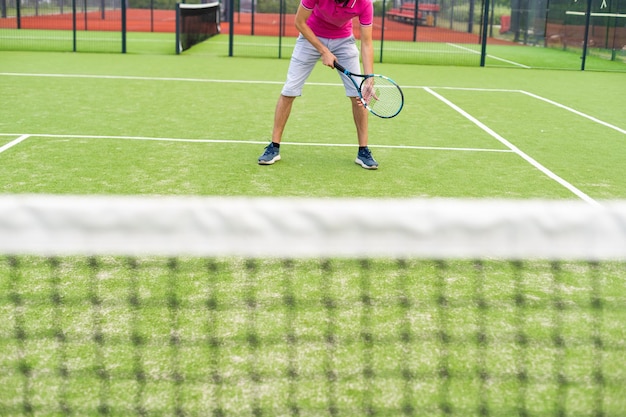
(365, 159)
(271, 155)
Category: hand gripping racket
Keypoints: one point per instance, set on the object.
(380, 95)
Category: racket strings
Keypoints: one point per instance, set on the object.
(382, 96)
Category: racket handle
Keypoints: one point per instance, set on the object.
(339, 67)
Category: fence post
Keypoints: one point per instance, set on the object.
(586, 38)
(73, 25)
(483, 41)
(18, 14)
(231, 26)
(124, 8)
(382, 30)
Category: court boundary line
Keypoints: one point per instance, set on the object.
(508, 145)
(244, 142)
(205, 80)
(533, 162)
(579, 113)
(21, 138)
(210, 80)
(463, 48)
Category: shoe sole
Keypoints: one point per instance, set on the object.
(359, 162)
(271, 161)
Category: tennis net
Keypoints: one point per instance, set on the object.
(196, 23)
(302, 307)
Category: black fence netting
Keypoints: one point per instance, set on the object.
(510, 33)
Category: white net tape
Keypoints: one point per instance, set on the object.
(282, 227)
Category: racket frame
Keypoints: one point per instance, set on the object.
(358, 86)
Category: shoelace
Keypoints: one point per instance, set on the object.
(269, 150)
(366, 153)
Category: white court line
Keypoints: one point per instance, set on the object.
(480, 90)
(13, 142)
(511, 147)
(138, 78)
(596, 14)
(65, 38)
(490, 56)
(593, 119)
(208, 80)
(515, 149)
(255, 142)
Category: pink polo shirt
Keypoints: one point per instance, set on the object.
(330, 20)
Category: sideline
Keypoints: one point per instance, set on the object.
(13, 142)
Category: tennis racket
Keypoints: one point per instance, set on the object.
(380, 95)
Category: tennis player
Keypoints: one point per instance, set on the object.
(325, 28)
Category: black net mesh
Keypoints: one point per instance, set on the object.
(234, 336)
(196, 23)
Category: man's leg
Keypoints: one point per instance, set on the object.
(364, 156)
(359, 113)
(281, 115)
(303, 60)
(348, 55)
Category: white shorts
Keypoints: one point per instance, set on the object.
(305, 56)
